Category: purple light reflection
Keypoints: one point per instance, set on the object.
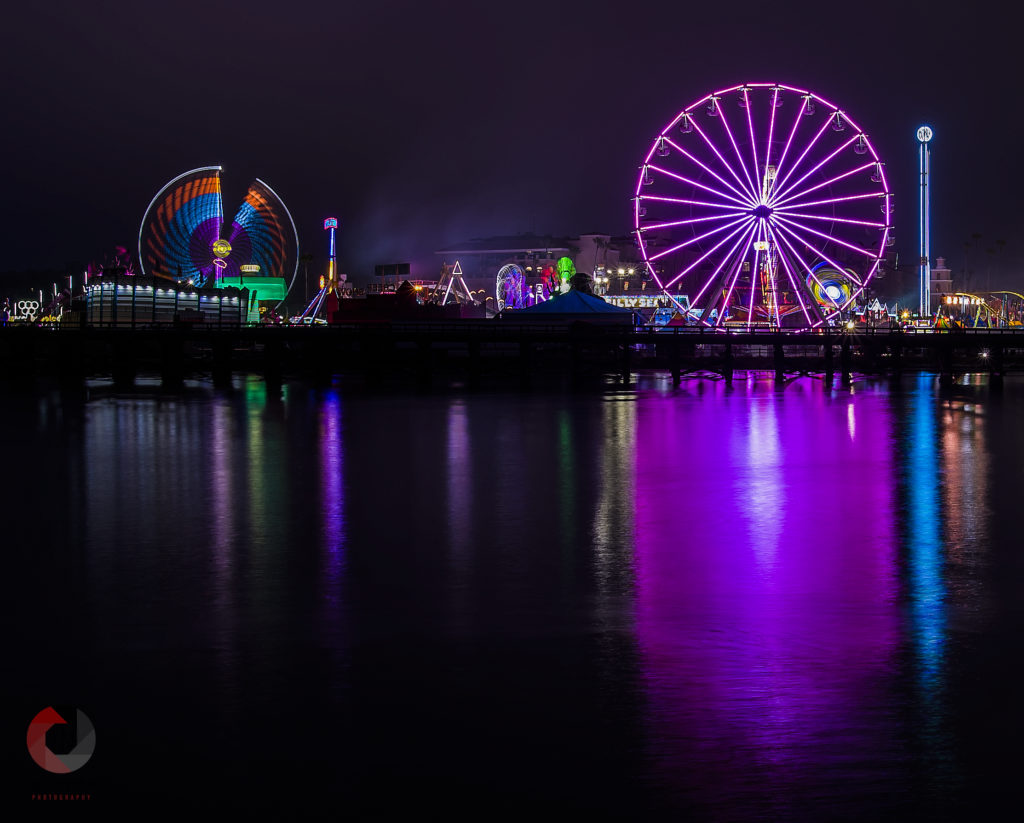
(460, 501)
(766, 612)
(332, 490)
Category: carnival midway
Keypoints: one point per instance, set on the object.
(759, 209)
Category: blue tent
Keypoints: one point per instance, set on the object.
(573, 305)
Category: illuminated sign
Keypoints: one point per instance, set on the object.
(249, 268)
(331, 223)
(221, 248)
(25, 310)
(925, 133)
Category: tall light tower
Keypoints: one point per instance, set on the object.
(327, 282)
(331, 225)
(924, 136)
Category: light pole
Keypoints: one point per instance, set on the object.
(305, 258)
(924, 136)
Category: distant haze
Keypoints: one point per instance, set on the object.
(422, 125)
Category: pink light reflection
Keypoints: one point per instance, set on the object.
(332, 491)
(766, 609)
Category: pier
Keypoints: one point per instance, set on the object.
(474, 351)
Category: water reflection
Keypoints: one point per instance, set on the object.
(923, 520)
(767, 613)
(459, 489)
(767, 602)
(945, 523)
(332, 494)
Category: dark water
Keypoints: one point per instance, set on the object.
(708, 603)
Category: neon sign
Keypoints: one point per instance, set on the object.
(25, 310)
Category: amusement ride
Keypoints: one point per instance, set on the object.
(762, 205)
(511, 288)
(185, 238)
(451, 286)
(329, 292)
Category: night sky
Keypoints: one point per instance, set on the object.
(423, 124)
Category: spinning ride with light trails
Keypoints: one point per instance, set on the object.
(765, 206)
(184, 237)
(511, 287)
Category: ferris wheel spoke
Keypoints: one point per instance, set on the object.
(736, 148)
(794, 225)
(757, 182)
(792, 134)
(693, 240)
(718, 154)
(695, 184)
(782, 192)
(662, 199)
(707, 254)
(777, 202)
(755, 271)
(814, 141)
(784, 230)
(827, 219)
(736, 275)
(768, 145)
(788, 267)
(743, 195)
(674, 223)
(838, 267)
(810, 270)
(832, 200)
(715, 275)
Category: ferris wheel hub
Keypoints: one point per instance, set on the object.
(762, 212)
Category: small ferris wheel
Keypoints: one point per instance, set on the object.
(762, 205)
(510, 287)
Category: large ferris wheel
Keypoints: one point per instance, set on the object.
(762, 205)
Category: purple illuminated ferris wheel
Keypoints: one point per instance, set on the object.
(762, 206)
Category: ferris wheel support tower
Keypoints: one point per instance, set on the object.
(924, 136)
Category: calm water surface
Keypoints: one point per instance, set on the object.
(745, 603)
